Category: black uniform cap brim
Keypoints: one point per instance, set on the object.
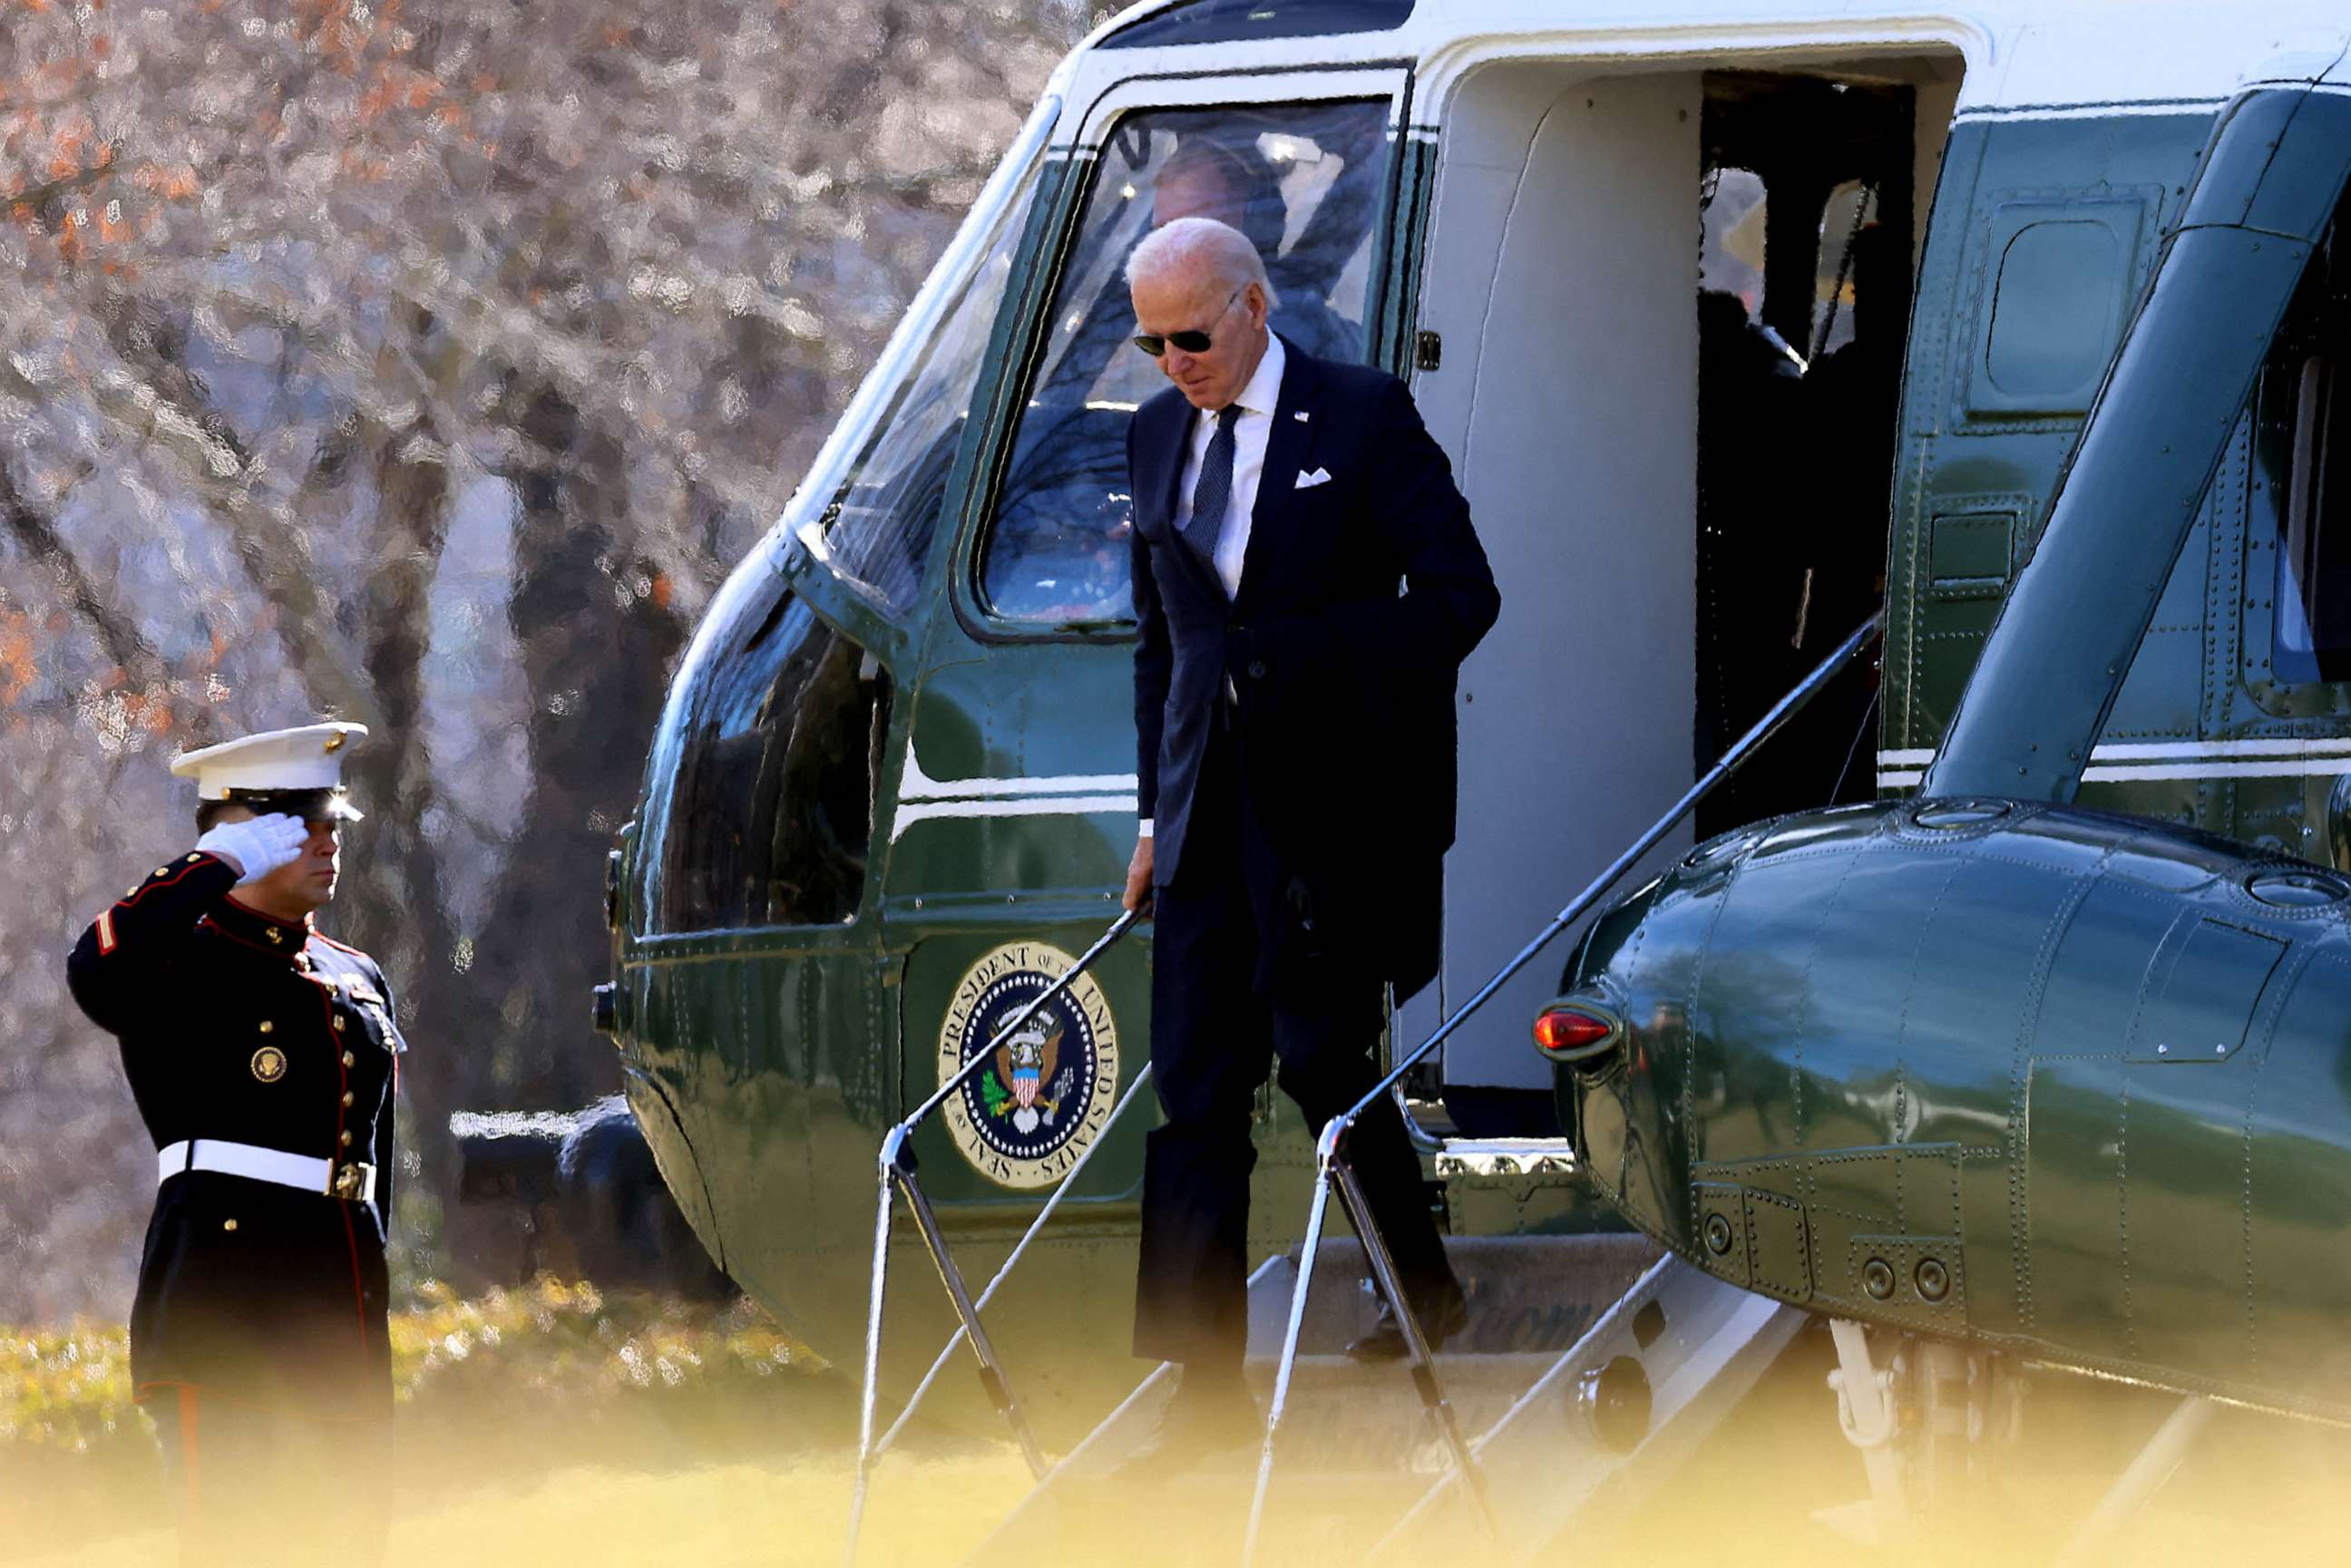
(307, 805)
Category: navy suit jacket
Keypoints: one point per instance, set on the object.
(1359, 599)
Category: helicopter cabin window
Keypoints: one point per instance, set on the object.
(1306, 183)
(883, 513)
(2314, 566)
(776, 750)
(2314, 589)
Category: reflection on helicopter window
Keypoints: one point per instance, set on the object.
(2313, 576)
(2306, 400)
(884, 513)
(766, 807)
(1305, 182)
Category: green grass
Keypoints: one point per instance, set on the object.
(571, 1342)
(492, 1391)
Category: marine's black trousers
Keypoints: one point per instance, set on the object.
(1235, 987)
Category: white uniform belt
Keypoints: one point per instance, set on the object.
(257, 1163)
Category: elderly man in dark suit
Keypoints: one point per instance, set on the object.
(1306, 586)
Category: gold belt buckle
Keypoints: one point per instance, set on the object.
(355, 1181)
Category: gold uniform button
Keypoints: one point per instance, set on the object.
(350, 1061)
(339, 1021)
(228, 1225)
(347, 1100)
(130, 892)
(162, 871)
(347, 1138)
(267, 1026)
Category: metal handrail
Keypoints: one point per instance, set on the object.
(1333, 1172)
(897, 1176)
(1061, 1190)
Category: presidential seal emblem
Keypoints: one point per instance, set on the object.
(1024, 1120)
(269, 1064)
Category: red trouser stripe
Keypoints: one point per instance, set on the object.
(188, 1446)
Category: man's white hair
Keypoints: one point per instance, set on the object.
(1199, 247)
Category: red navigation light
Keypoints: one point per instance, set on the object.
(1567, 1031)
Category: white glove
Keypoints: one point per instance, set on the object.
(258, 845)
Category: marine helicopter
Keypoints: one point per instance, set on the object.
(891, 793)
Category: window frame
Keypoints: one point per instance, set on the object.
(1388, 80)
(1226, 22)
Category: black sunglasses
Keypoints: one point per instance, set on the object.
(1156, 343)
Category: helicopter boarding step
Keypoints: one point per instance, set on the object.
(1591, 1366)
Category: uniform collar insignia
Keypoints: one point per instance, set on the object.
(247, 924)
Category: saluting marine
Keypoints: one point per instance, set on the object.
(262, 1056)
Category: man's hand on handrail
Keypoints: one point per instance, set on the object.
(1137, 901)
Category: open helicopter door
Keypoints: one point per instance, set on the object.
(1661, 323)
(1559, 282)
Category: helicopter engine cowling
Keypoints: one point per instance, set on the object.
(2032, 1075)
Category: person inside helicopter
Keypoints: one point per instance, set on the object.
(1231, 180)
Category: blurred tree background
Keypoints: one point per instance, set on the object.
(426, 363)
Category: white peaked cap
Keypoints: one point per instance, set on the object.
(310, 758)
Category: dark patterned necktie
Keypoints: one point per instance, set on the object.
(1212, 493)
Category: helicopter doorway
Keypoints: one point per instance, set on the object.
(1671, 309)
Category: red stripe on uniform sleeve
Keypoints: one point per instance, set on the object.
(191, 863)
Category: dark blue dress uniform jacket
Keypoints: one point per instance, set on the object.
(1360, 595)
(237, 1026)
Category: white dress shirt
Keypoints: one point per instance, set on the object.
(1254, 411)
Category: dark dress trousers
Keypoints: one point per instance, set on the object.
(257, 1336)
(1296, 751)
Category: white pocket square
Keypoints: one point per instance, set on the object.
(1308, 481)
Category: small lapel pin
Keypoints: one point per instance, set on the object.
(1299, 416)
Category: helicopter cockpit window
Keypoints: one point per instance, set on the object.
(765, 811)
(884, 513)
(1306, 183)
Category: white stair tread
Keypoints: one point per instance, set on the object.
(1360, 1464)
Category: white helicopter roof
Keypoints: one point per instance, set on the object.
(2088, 57)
